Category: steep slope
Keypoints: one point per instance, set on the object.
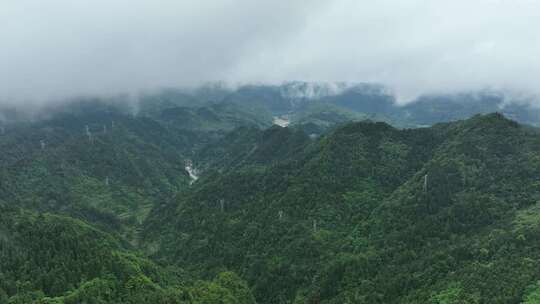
(464, 232)
(365, 213)
(53, 259)
(371, 214)
(276, 222)
(249, 146)
(216, 117)
(111, 175)
(74, 189)
(96, 162)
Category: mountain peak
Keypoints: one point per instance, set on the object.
(495, 119)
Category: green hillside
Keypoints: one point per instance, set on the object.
(55, 259)
(370, 214)
(364, 213)
(74, 191)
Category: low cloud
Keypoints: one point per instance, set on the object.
(59, 48)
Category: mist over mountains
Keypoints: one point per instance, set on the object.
(269, 152)
(187, 203)
(290, 99)
(295, 193)
(57, 49)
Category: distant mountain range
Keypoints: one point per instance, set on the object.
(293, 99)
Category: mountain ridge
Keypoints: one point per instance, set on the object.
(364, 212)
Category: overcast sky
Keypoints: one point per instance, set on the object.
(59, 48)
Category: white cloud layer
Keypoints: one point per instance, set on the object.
(58, 48)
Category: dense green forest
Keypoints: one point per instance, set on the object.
(212, 204)
(368, 214)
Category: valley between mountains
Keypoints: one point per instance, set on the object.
(286, 200)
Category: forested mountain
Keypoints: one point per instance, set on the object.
(203, 201)
(322, 104)
(369, 214)
(293, 99)
(74, 191)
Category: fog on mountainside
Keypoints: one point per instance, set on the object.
(269, 152)
(293, 102)
(194, 204)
